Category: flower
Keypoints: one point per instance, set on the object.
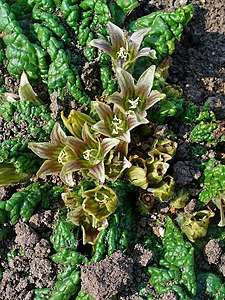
(100, 202)
(89, 154)
(114, 122)
(75, 122)
(124, 49)
(90, 209)
(166, 146)
(137, 173)
(195, 225)
(57, 154)
(135, 99)
(89, 225)
(156, 171)
(165, 190)
(115, 164)
(145, 202)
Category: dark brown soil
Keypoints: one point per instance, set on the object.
(199, 68)
(27, 265)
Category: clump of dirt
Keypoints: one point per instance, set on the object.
(213, 252)
(25, 260)
(116, 275)
(106, 278)
(185, 172)
(215, 255)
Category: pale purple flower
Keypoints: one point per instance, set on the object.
(135, 98)
(124, 49)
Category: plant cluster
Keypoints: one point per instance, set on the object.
(98, 146)
(105, 176)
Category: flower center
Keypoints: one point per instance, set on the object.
(116, 125)
(102, 198)
(65, 155)
(122, 53)
(134, 102)
(90, 154)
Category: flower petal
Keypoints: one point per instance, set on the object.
(100, 127)
(154, 97)
(147, 52)
(126, 83)
(75, 122)
(116, 98)
(49, 167)
(71, 166)
(75, 144)
(98, 172)
(102, 45)
(57, 134)
(104, 110)
(136, 120)
(87, 136)
(122, 148)
(136, 38)
(67, 179)
(77, 216)
(45, 150)
(107, 144)
(117, 37)
(125, 137)
(145, 82)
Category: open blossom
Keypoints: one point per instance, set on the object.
(135, 99)
(89, 154)
(124, 49)
(114, 122)
(56, 153)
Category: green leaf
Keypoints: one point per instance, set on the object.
(166, 27)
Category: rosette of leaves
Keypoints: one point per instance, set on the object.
(211, 284)
(94, 17)
(173, 106)
(90, 210)
(71, 12)
(20, 52)
(127, 6)
(34, 47)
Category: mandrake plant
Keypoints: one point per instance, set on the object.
(105, 176)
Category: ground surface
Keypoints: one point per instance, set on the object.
(199, 68)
